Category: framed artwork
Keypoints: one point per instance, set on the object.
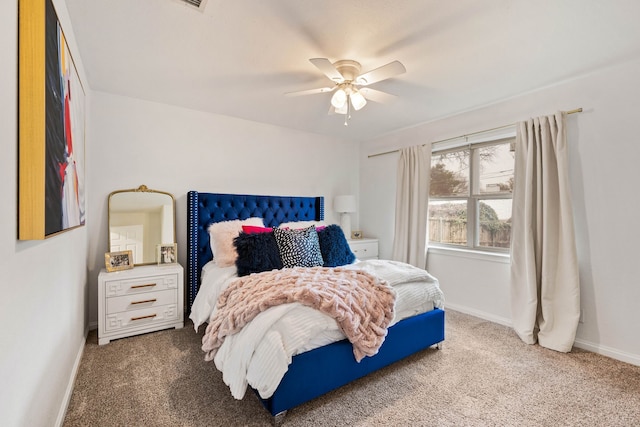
(167, 253)
(116, 261)
(51, 104)
(356, 234)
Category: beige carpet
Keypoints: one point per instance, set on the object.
(484, 376)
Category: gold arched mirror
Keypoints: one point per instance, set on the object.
(139, 220)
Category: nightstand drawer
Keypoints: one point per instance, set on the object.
(143, 318)
(140, 301)
(143, 299)
(362, 250)
(115, 288)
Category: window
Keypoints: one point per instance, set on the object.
(470, 196)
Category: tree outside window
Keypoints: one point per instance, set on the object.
(470, 196)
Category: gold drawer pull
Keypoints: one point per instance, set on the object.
(145, 301)
(151, 316)
(143, 286)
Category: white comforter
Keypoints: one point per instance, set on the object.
(260, 354)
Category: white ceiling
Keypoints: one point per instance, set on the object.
(238, 57)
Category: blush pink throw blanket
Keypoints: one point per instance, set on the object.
(361, 304)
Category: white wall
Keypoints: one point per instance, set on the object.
(49, 289)
(176, 150)
(603, 151)
(43, 283)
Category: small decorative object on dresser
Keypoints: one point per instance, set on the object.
(167, 253)
(364, 248)
(356, 234)
(116, 261)
(145, 299)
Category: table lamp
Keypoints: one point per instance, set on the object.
(345, 205)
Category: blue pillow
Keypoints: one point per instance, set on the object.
(334, 247)
(256, 253)
(299, 248)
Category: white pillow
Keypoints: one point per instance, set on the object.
(221, 235)
(296, 225)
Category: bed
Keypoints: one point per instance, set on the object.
(317, 371)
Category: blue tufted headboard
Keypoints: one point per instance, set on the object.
(206, 208)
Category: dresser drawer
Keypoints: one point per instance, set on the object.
(364, 249)
(139, 301)
(115, 288)
(142, 318)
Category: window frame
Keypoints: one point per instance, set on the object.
(474, 197)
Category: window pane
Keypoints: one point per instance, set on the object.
(496, 169)
(450, 173)
(495, 223)
(448, 222)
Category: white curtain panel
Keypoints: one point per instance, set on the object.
(412, 197)
(545, 288)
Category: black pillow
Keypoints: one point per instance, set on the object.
(334, 247)
(256, 253)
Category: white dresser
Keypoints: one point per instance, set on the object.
(364, 248)
(144, 299)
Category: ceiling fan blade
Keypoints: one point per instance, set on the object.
(381, 73)
(310, 91)
(327, 68)
(376, 95)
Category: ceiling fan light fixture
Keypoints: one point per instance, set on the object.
(343, 109)
(357, 100)
(346, 76)
(339, 99)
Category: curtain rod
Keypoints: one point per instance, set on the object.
(577, 110)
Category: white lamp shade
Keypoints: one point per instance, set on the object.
(357, 100)
(344, 204)
(339, 99)
(342, 110)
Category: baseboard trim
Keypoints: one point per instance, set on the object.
(613, 353)
(480, 314)
(603, 350)
(72, 380)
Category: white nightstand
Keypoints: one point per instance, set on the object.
(144, 299)
(364, 248)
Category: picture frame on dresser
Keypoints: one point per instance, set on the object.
(117, 261)
(167, 253)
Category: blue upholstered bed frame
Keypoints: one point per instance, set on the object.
(321, 370)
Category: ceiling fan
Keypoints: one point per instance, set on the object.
(350, 86)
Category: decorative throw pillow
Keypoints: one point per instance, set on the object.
(221, 235)
(334, 247)
(257, 252)
(250, 229)
(299, 248)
